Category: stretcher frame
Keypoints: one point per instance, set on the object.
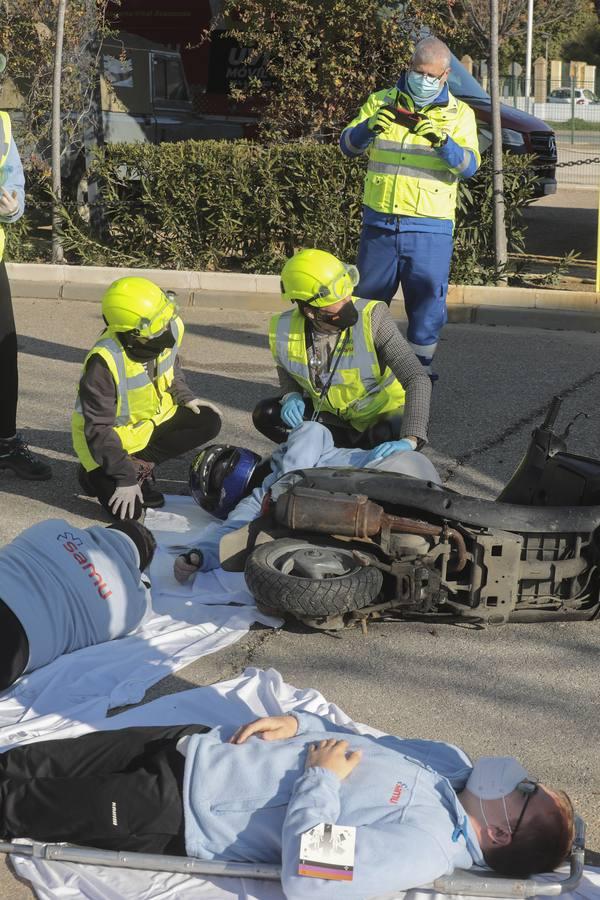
(460, 883)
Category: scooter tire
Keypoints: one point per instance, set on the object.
(270, 579)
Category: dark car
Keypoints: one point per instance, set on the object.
(521, 132)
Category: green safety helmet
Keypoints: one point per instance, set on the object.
(137, 304)
(318, 278)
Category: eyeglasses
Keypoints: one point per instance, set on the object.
(528, 788)
(430, 75)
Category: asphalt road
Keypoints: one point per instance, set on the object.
(529, 690)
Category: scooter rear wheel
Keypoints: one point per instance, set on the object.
(308, 581)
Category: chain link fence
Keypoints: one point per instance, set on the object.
(572, 109)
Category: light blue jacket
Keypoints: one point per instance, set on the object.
(12, 178)
(252, 802)
(308, 446)
(71, 587)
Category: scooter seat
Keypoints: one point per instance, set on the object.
(404, 495)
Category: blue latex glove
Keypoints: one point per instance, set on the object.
(292, 410)
(386, 449)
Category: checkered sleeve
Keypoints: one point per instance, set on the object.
(286, 382)
(394, 351)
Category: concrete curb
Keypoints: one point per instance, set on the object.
(487, 305)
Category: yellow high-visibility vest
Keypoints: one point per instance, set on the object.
(142, 403)
(405, 175)
(359, 392)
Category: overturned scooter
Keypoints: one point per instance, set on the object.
(354, 544)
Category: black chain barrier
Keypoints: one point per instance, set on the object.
(573, 162)
(548, 164)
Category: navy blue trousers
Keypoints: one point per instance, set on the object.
(420, 262)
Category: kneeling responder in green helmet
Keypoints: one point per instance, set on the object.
(134, 408)
(342, 361)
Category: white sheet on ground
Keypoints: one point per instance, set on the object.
(255, 693)
(212, 612)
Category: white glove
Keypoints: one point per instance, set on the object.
(196, 406)
(122, 502)
(187, 565)
(9, 203)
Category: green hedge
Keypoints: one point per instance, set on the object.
(243, 206)
(29, 239)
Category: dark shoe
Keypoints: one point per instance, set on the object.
(153, 499)
(16, 456)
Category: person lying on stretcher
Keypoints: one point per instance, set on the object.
(231, 482)
(417, 809)
(63, 588)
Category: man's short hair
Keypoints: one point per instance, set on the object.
(540, 847)
(431, 48)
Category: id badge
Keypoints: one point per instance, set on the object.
(327, 851)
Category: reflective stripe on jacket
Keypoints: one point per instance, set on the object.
(405, 175)
(142, 403)
(359, 392)
(5, 139)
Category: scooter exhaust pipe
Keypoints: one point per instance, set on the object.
(355, 516)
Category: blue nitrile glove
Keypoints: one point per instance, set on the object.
(292, 410)
(387, 448)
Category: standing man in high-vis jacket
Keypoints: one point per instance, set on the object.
(134, 409)
(15, 455)
(421, 140)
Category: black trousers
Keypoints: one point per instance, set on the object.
(14, 647)
(9, 378)
(111, 789)
(267, 419)
(183, 432)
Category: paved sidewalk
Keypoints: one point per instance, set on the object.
(565, 221)
(587, 174)
(530, 690)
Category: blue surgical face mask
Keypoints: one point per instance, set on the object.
(423, 88)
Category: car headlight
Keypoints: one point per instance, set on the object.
(512, 138)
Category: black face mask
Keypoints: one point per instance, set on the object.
(144, 351)
(344, 318)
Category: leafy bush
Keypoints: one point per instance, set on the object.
(474, 256)
(245, 207)
(28, 240)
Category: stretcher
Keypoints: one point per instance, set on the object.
(461, 882)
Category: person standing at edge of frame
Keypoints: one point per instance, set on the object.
(421, 140)
(15, 455)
